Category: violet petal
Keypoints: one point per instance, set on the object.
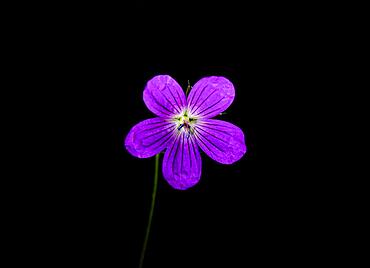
(164, 96)
(210, 96)
(149, 137)
(220, 140)
(182, 164)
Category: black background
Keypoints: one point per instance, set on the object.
(93, 204)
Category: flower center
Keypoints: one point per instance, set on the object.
(185, 122)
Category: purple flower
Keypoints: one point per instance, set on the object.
(184, 125)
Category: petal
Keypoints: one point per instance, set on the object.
(210, 96)
(164, 96)
(220, 140)
(149, 137)
(182, 164)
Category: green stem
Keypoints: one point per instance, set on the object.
(151, 210)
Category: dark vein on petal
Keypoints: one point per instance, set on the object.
(209, 141)
(182, 154)
(209, 107)
(174, 157)
(179, 107)
(200, 105)
(215, 129)
(192, 97)
(196, 154)
(217, 124)
(159, 104)
(169, 136)
(215, 110)
(187, 141)
(170, 102)
(159, 121)
(199, 139)
(178, 94)
(152, 134)
(169, 152)
(213, 135)
(148, 129)
(198, 97)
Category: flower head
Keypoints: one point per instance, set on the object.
(184, 125)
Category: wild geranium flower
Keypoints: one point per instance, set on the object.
(184, 125)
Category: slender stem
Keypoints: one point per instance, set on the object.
(151, 210)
